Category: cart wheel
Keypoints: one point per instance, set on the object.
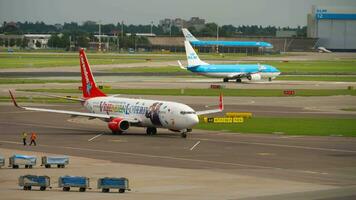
(48, 166)
(63, 166)
(66, 189)
(121, 190)
(15, 166)
(26, 166)
(24, 187)
(105, 190)
(29, 187)
(81, 189)
(42, 188)
(58, 166)
(30, 166)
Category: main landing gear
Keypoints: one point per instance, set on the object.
(238, 80)
(116, 132)
(151, 131)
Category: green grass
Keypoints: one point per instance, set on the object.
(23, 60)
(318, 78)
(168, 69)
(349, 109)
(289, 126)
(316, 67)
(61, 59)
(292, 67)
(211, 92)
(33, 81)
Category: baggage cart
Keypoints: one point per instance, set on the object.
(107, 183)
(60, 161)
(2, 161)
(66, 182)
(17, 160)
(29, 181)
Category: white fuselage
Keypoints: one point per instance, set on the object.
(149, 113)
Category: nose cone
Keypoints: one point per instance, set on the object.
(273, 69)
(268, 45)
(193, 120)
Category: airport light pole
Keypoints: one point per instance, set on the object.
(99, 36)
(151, 27)
(122, 28)
(217, 37)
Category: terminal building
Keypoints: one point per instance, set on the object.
(334, 27)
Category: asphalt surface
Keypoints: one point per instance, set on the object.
(319, 160)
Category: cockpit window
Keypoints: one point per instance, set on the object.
(187, 112)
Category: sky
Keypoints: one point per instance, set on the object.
(236, 12)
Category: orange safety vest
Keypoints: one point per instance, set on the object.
(33, 136)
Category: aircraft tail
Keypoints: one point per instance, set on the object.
(188, 36)
(88, 83)
(192, 57)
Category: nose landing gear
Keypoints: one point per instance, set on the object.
(184, 132)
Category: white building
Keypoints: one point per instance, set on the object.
(335, 27)
(41, 39)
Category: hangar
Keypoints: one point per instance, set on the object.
(335, 27)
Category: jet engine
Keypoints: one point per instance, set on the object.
(254, 77)
(118, 125)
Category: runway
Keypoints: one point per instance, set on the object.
(326, 161)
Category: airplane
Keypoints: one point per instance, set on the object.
(252, 72)
(195, 42)
(121, 113)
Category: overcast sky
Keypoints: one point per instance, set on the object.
(235, 12)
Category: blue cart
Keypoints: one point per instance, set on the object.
(60, 161)
(107, 183)
(66, 182)
(2, 161)
(28, 181)
(17, 160)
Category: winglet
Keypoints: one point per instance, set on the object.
(180, 65)
(221, 102)
(13, 99)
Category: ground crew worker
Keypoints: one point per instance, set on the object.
(33, 138)
(24, 138)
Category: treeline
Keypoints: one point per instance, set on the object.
(91, 28)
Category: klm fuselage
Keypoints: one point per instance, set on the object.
(235, 71)
(231, 43)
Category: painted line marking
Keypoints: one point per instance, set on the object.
(172, 158)
(205, 139)
(95, 137)
(196, 144)
(282, 145)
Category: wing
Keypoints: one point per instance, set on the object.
(73, 113)
(220, 109)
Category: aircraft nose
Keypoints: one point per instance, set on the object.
(193, 120)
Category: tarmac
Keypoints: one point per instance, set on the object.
(206, 165)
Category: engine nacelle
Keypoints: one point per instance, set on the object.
(118, 124)
(254, 77)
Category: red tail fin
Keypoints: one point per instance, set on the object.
(88, 83)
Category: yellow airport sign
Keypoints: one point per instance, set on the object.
(223, 120)
(246, 115)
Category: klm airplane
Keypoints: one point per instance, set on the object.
(195, 42)
(254, 72)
